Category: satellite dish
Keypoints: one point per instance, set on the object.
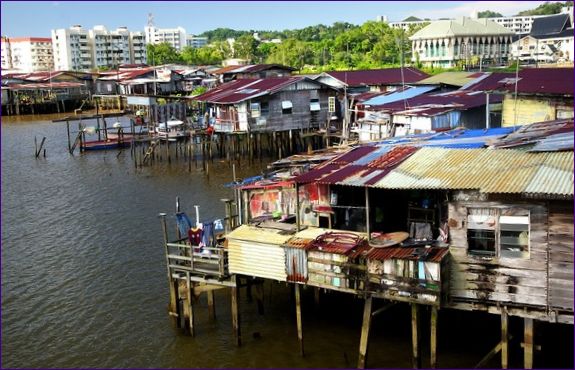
(90, 130)
(117, 125)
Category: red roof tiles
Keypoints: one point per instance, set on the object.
(389, 76)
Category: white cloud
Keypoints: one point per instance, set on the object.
(507, 8)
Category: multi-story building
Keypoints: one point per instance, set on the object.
(444, 43)
(71, 49)
(27, 54)
(176, 37)
(6, 54)
(98, 48)
(196, 41)
(518, 24)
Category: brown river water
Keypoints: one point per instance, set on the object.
(84, 279)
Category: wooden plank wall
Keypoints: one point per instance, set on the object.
(300, 116)
(561, 255)
(495, 280)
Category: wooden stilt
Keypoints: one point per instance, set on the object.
(235, 311)
(316, 294)
(528, 344)
(364, 341)
(433, 339)
(173, 307)
(298, 318)
(211, 305)
(190, 307)
(415, 336)
(504, 339)
(259, 294)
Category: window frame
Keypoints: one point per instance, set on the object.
(507, 216)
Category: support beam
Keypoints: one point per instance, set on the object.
(298, 317)
(528, 344)
(211, 305)
(236, 311)
(504, 339)
(415, 337)
(433, 339)
(259, 294)
(364, 341)
(190, 307)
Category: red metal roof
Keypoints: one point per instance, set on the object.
(389, 76)
(432, 254)
(349, 168)
(553, 81)
(337, 242)
(250, 68)
(245, 89)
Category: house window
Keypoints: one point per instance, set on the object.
(314, 105)
(287, 107)
(481, 227)
(331, 104)
(493, 232)
(255, 110)
(264, 108)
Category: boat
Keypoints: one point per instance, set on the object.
(105, 144)
(172, 129)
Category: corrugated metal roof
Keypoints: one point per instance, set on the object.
(557, 142)
(460, 100)
(450, 78)
(245, 89)
(388, 76)
(259, 235)
(487, 170)
(399, 95)
(433, 254)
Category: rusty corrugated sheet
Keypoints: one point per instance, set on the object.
(433, 254)
(489, 171)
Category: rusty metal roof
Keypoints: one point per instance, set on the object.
(487, 170)
(433, 254)
(388, 76)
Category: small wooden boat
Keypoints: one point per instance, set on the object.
(105, 144)
(388, 239)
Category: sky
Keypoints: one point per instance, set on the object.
(38, 18)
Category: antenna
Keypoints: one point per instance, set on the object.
(150, 20)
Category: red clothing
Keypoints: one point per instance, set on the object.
(195, 236)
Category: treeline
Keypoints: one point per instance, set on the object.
(315, 48)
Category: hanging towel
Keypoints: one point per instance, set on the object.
(208, 234)
(184, 223)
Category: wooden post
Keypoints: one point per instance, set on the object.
(364, 341)
(259, 293)
(528, 344)
(236, 311)
(367, 226)
(190, 293)
(415, 340)
(297, 210)
(504, 338)
(173, 306)
(316, 294)
(433, 339)
(298, 318)
(211, 305)
(68, 132)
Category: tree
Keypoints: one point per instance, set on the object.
(245, 47)
(162, 53)
(547, 8)
(489, 14)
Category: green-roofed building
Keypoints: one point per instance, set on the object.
(443, 43)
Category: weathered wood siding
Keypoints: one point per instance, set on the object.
(301, 116)
(561, 256)
(492, 280)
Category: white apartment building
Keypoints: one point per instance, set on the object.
(79, 49)
(196, 41)
(176, 37)
(27, 54)
(6, 54)
(71, 49)
(520, 24)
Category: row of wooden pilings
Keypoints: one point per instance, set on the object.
(200, 149)
(181, 309)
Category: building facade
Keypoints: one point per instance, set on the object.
(79, 49)
(196, 41)
(445, 43)
(6, 54)
(176, 37)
